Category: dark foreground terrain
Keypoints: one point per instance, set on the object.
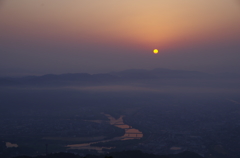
(123, 154)
(175, 111)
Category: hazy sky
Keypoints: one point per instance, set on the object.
(61, 36)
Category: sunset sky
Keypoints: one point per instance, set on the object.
(72, 36)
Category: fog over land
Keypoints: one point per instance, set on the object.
(82, 77)
(169, 111)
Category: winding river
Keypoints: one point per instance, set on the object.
(130, 133)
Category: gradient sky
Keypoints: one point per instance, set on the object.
(71, 36)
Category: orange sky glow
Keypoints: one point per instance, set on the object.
(132, 24)
(148, 24)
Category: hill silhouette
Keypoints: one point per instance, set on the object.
(123, 154)
(123, 77)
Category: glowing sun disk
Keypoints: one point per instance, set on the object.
(155, 51)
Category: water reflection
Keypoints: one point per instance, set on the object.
(130, 133)
(10, 145)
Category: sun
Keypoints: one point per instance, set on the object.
(155, 51)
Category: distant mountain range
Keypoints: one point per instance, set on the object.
(122, 77)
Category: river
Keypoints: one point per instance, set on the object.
(130, 133)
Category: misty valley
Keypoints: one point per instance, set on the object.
(156, 111)
(119, 79)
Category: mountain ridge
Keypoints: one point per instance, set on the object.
(120, 77)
